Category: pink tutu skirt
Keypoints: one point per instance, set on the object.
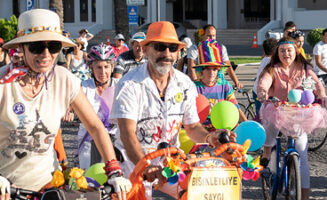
(293, 120)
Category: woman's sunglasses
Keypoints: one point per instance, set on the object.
(162, 47)
(38, 47)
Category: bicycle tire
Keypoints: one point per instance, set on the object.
(294, 178)
(249, 113)
(317, 139)
(242, 107)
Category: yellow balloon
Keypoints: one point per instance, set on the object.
(185, 141)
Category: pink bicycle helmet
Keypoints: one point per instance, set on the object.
(101, 52)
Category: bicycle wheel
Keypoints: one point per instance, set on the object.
(294, 178)
(249, 113)
(317, 139)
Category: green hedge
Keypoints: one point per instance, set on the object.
(8, 28)
(314, 36)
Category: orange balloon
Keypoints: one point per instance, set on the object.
(203, 107)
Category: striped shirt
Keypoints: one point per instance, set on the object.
(222, 91)
(126, 62)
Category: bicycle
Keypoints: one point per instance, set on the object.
(249, 110)
(208, 168)
(293, 120)
(282, 177)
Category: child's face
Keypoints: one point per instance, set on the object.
(286, 54)
(209, 75)
(300, 41)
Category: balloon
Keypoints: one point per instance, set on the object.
(294, 96)
(108, 96)
(203, 107)
(92, 183)
(97, 173)
(185, 141)
(251, 130)
(307, 97)
(224, 115)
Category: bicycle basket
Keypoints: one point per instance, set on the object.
(293, 120)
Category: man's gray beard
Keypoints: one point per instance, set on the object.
(162, 70)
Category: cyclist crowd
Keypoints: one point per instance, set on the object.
(129, 101)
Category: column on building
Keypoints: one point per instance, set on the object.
(217, 13)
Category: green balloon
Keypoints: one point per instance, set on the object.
(224, 115)
(97, 172)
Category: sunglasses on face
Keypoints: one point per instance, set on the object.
(162, 47)
(39, 47)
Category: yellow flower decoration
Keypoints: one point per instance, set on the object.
(81, 182)
(57, 179)
(201, 31)
(76, 172)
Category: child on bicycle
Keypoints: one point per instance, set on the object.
(284, 73)
(212, 86)
(268, 48)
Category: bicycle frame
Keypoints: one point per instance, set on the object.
(280, 178)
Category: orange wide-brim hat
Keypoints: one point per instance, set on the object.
(162, 31)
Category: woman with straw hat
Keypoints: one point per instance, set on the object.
(34, 99)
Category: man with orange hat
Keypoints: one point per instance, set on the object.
(152, 102)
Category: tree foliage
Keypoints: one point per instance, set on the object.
(8, 28)
(57, 6)
(121, 18)
(314, 36)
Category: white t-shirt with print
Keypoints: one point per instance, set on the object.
(193, 53)
(28, 127)
(137, 98)
(320, 49)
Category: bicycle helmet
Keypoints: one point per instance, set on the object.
(101, 52)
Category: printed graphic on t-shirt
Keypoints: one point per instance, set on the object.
(21, 142)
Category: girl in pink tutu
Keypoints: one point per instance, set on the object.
(286, 71)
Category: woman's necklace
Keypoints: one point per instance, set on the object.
(34, 80)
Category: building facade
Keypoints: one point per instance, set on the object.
(262, 15)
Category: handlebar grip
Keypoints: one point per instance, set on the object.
(106, 191)
(223, 138)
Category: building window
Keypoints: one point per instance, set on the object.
(68, 11)
(94, 16)
(84, 10)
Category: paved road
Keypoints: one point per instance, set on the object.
(251, 190)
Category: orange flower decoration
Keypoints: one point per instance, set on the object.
(81, 182)
(57, 179)
(76, 172)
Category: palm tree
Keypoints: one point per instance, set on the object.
(121, 18)
(56, 5)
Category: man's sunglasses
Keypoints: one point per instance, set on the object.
(38, 47)
(162, 47)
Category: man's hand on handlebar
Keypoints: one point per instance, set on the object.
(4, 188)
(213, 138)
(154, 172)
